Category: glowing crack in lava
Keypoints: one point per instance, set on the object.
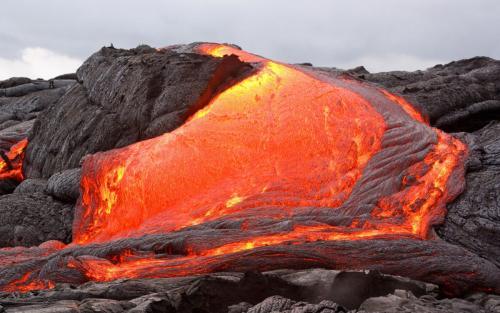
(287, 155)
(11, 162)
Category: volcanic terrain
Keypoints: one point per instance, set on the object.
(204, 178)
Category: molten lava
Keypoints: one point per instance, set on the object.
(277, 145)
(12, 161)
(286, 155)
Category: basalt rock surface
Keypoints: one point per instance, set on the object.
(29, 219)
(459, 96)
(65, 185)
(225, 291)
(473, 219)
(314, 290)
(21, 101)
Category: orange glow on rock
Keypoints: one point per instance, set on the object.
(26, 283)
(13, 169)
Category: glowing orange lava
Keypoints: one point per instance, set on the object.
(263, 137)
(15, 156)
(25, 284)
(315, 157)
(279, 139)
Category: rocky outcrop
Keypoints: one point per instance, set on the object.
(65, 185)
(473, 219)
(28, 217)
(13, 82)
(21, 100)
(15, 109)
(399, 301)
(218, 292)
(280, 304)
(32, 185)
(123, 96)
(13, 134)
(459, 96)
(32, 218)
(314, 290)
(34, 86)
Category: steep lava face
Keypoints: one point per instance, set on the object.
(286, 155)
(12, 161)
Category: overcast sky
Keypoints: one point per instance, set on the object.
(46, 38)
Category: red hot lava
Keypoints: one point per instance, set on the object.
(287, 154)
(276, 144)
(12, 161)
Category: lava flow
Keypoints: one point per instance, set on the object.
(12, 161)
(277, 145)
(286, 155)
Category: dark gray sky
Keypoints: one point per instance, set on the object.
(44, 38)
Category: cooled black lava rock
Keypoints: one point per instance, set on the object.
(65, 185)
(30, 219)
(278, 291)
(473, 219)
(459, 96)
(32, 185)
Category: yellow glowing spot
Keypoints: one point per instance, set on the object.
(201, 113)
(119, 173)
(249, 245)
(235, 199)
(108, 193)
(220, 51)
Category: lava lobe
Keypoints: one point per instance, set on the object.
(284, 145)
(287, 155)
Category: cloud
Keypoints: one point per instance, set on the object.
(36, 62)
(382, 35)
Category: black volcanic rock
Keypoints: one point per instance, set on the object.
(65, 185)
(16, 110)
(473, 219)
(219, 291)
(291, 291)
(18, 114)
(32, 185)
(31, 219)
(34, 86)
(7, 186)
(459, 96)
(13, 82)
(279, 304)
(123, 96)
